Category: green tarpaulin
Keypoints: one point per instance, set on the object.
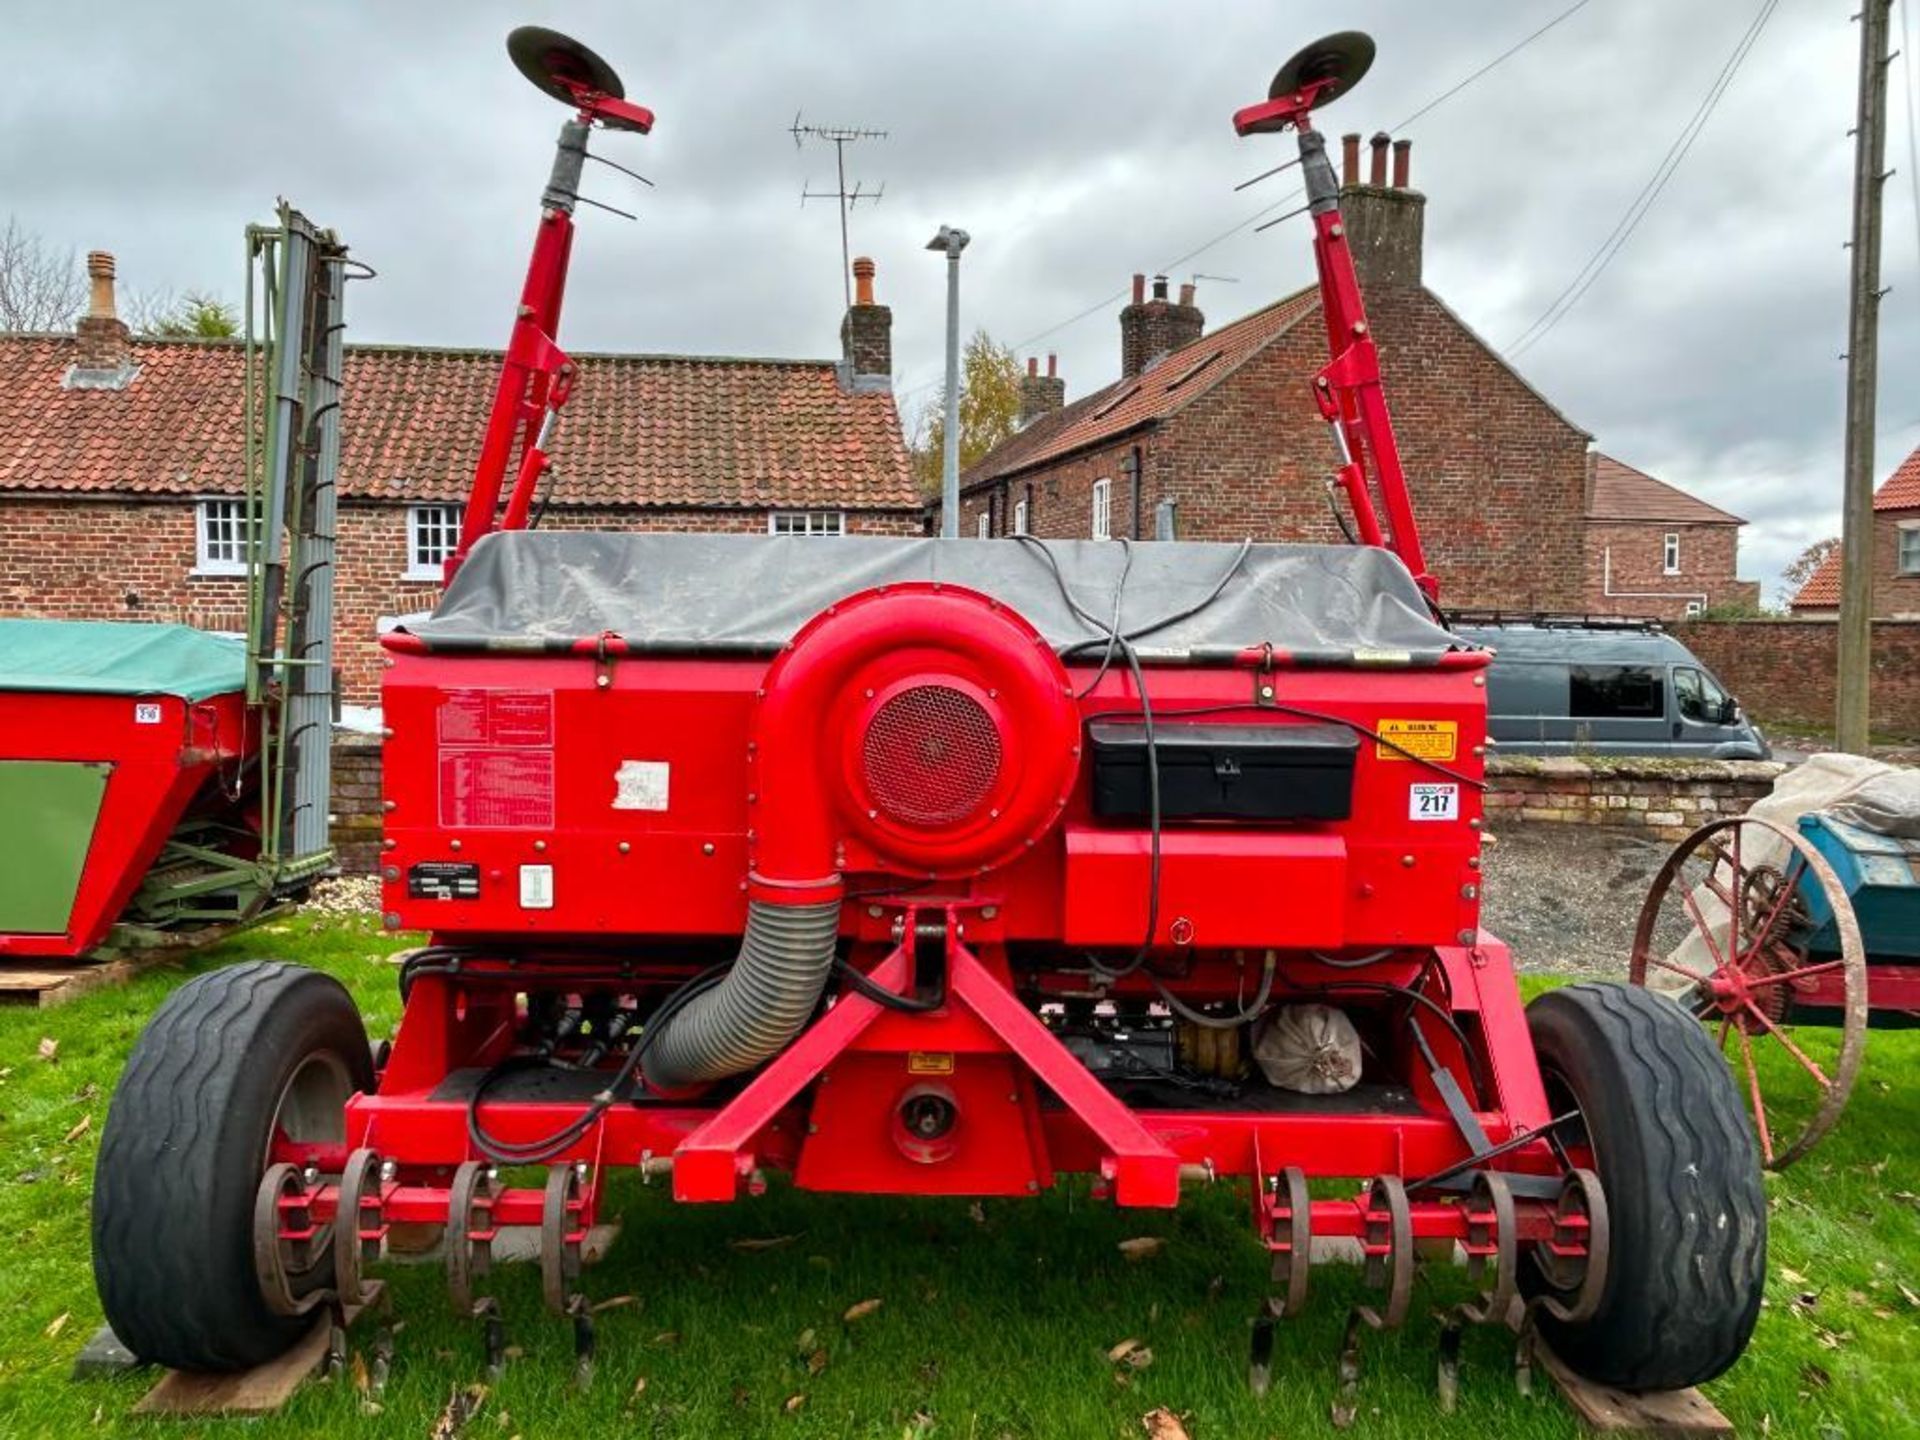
(104, 657)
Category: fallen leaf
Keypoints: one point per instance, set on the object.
(1163, 1424)
(49, 1047)
(977, 1213)
(816, 1362)
(362, 1381)
(752, 1244)
(862, 1310)
(614, 1302)
(807, 1341)
(462, 1405)
(1815, 1377)
(667, 1337)
(1142, 1247)
(59, 1323)
(1121, 1351)
(86, 1124)
(794, 1402)
(1792, 1276)
(1908, 1295)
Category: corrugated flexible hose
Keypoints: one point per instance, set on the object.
(772, 991)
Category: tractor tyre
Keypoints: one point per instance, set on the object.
(1681, 1175)
(228, 1058)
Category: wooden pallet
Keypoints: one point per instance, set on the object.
(259, 1391)
(47, 985)
(1607, 1411)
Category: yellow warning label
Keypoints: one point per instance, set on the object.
(929, 1062)
(1417, 739)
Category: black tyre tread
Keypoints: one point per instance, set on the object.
(172, 1241)
(1689, 1214)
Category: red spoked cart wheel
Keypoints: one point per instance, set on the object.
(1724, 930)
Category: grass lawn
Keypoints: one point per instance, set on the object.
(989, 1326)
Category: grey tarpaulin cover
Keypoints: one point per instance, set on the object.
(748, 594)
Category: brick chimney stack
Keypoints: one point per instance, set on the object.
(1151, 328)
(103, 358)
(1041, 394)
(866, 335)
(1386, 220)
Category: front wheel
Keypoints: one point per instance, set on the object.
(230, 1062)
(1660, 1121)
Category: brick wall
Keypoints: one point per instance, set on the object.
(1782, 670)
(356, 804)
(1667, 797)
(116, 560)
(1498, 477)
(1641, 586)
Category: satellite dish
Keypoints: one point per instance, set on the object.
(1339, 60)
(561, 66)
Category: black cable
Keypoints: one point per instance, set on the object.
(535, 1152)
(865, 984)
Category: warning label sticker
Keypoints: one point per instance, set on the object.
(497, 717)
(929, 1062)
(496, 759)
(1417, 739)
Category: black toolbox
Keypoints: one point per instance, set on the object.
(1224, 772)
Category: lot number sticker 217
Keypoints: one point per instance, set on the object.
(1433, 802)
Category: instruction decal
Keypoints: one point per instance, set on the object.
(1417, 739)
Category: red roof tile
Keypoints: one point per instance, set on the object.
(642, 430)
(1899, 491)
(1168, 384)
(1621, 492)
(1823, 586)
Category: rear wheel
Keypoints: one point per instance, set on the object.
(231, 1061)
(1660, 1121)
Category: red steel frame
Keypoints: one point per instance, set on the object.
(824, 1108)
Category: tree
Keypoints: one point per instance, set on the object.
(1800, 569)
(196, 316)
(40, 288)
(989, 410)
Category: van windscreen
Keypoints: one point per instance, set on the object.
(1635, 692)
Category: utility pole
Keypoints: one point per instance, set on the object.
(839, 136)
(1854, 681)
(952, 241)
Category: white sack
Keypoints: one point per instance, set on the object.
(1312, 1049)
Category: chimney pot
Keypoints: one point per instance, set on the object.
(1053, 366)
(1159, 287)
(100, 304)
(1139, 288)
(1033, 364)
(1350, 158)
(1377, 175)
(1186, 293)
(866, 333)
(1402, 156)
(863, 269)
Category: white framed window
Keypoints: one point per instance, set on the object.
(1670, 553)
(983, 525)
(433, 533)
(1020, 517)
(1100, 525)
(1907, 552)
(220, 537)
(1696, 607)
(807, 522)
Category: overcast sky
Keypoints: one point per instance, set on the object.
(1078, 142)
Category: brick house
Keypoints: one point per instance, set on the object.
(121, 464)
(1896, 555)
(1213, 434)
(1654, 550)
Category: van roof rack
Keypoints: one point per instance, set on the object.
(1555, 620)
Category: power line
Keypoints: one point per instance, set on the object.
(1637, 209)
(1266, 210)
